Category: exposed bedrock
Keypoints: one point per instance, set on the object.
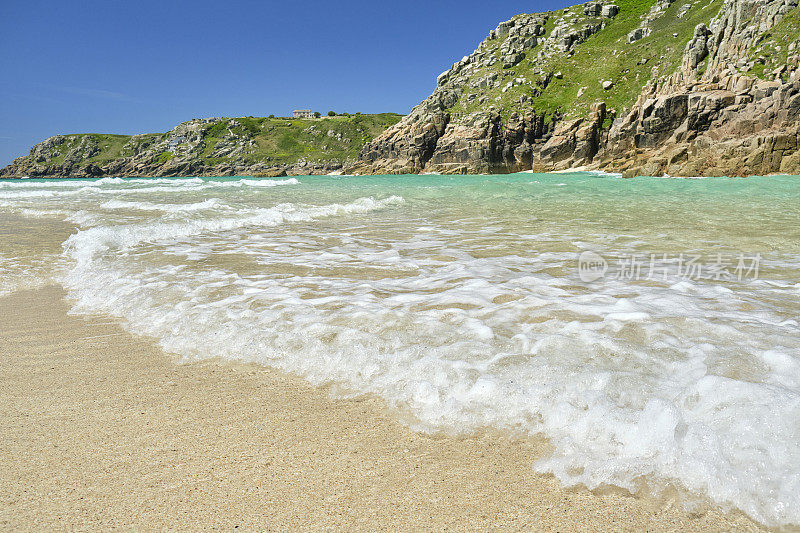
(715, 114)
(696, 87)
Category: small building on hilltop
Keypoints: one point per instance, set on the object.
(302, 113)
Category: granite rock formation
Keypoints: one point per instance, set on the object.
(722, 109)
(208, 147)
(641, 87)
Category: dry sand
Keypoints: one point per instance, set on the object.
(101, 429)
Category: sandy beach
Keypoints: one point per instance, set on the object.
(540, 272)
(102, 429)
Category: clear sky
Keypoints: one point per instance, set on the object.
(144, 66)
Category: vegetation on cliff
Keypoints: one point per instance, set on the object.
(635, 86)
(563, 73)
(216, 146)
(769, 57)
(683, 87)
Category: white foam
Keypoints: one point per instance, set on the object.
(83, 218)
(84, 245)
(30, 185)
(211, 203)
(21, 273)
(437, 344)
(667, 176)
(604, 174)
(24, 194)
(467, 321)
(56, 183)
(257, 182)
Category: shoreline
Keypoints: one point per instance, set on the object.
(103, 429)
(339, 174)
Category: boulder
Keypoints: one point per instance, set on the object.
(610, 11)
(593, 10)
(697, 48)
(503, 28)
(273, 173)
(638, 34)
(93, 170)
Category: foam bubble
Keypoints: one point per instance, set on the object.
(460, 305)
(21, 273)
(211, 203)
(603, 174)
(436, 338)
(84, 245)
(257, 182)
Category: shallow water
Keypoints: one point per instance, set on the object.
(669, 357)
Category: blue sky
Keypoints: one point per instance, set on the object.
(133, 67)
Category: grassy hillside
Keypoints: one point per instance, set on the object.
(773, 49)
(606, 55)
(110, 147)
(285, 141)
(276, 141)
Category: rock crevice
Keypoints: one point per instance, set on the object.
(712, 115)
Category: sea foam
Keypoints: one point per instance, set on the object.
(211, 203)
(461, 308)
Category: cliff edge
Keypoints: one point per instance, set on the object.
(209, 147)
(693, 87)
(642, 87)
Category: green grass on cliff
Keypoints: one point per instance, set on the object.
(608, 56)
(286, 141)
(109, 146)
(276, 141)
(771, 51)
(59, 152)
(604, 56)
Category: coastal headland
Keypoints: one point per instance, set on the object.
(639, 87)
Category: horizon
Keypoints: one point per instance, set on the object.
(122, 69)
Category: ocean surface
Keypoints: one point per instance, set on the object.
(648, 327)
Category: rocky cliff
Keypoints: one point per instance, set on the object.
(209, 147)
(693, 87)
(683, 87)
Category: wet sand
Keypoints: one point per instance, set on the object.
(102, 429)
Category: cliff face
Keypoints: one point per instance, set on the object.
(723, 120)
(686, 88)
(208, 147)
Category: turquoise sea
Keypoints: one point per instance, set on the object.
(648, 328)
